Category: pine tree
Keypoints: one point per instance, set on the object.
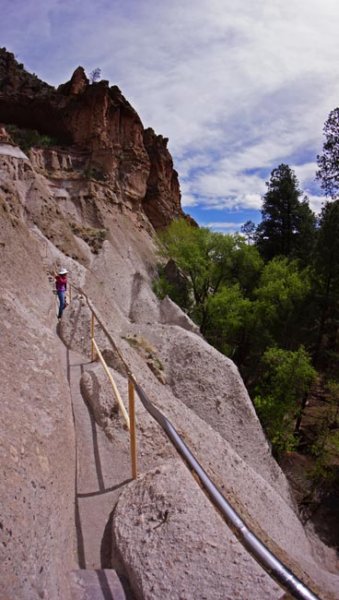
(328, 162)
(327, 283)
(288, 224)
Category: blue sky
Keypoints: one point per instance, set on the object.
(237, 87)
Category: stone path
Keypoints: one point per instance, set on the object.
(98, 483)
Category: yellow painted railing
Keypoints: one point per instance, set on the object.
(129, 416)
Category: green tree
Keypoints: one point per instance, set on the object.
(286, 378)
(95, 75)
(288, 224)
(326, 284)
(209, 260)
(230, 321)
(328, 161)
(248, 229)
(281, 297)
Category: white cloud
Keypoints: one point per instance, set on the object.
(237, 87)
(316, 202)
(222, 225)
(305, 172)
(188, 200)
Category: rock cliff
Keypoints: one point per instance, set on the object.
(99, 122)
(66, 496)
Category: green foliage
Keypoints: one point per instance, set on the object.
(29, 138)
(288, 224)
(248, 229)
(230, 318)
(327, 257)
(281, 288)
(328, 162)
(325, 448)
(260, 314)
(162, 287)
(209, 260)
(287, 376)
(190, 248)
(326, 286)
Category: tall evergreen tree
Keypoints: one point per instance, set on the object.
(248, 230)
(327, 283)
(328, 162)
(288, 224)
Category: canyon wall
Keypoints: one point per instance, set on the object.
(90, 204)
(100, 123)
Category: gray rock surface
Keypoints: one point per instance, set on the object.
(36, 430)
(196, 387)
(171, 314)
(98, 393)
(164, 524)
(96, 585)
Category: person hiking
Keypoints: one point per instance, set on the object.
(61, 288)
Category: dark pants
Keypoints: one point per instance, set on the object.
(61, 296)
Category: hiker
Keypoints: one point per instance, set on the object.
(61, 288)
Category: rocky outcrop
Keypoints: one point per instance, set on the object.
(99, 121)
(165, 510)
(162, 200)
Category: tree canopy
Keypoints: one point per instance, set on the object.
(269, 299)
(328, 161)
(288, 224)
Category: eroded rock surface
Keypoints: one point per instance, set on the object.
(52, 216)
(162, 184)
(37, 457)
(173, 544)
(100, 122)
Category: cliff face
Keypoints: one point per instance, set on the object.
(162, 184)
(98, 121)
(37, 456)
(64, 450)
(51, 217)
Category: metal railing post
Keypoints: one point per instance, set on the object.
(92, 339)
(133, 440)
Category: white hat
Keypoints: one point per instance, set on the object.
(63, 271)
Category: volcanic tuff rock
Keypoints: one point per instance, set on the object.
(98, 120)
(158, 507)
(37, 451)
(52, 215)
(162, 184)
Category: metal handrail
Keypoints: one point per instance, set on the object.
(270, 563)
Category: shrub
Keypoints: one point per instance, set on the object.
(28, 138)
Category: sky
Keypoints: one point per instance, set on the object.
(238, 87)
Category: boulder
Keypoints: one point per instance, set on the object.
(172, 543)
